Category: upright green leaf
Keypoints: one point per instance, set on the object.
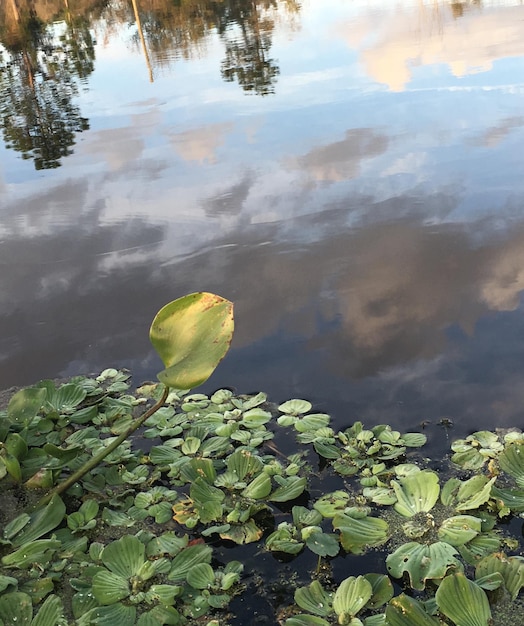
(464, 602)
(314, 599)
(416, 492)
(510, 567)
(382, 590)
(192, 335)
(351, 596)
(512, 461)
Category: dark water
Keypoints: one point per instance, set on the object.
(350, 174)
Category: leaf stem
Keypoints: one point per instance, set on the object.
(98, 458)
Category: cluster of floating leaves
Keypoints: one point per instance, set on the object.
(131, 542)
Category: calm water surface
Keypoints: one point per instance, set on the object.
(349, 173)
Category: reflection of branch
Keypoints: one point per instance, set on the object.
(142, 40)
(16, 12)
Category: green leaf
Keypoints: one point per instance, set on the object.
(380, 495)
(323, 544)
(112, 615)
(305, 620)
(459, 529)
(109, 588)
(29, 554)
(295, 407)
(511, 498)
(284, 539)
(188, 558)
(290, 488)
(479, 547)
(464, 602)
(16, 445)
(258, 488)
(326, 450)
(67, 397)
(192, 335)
(511, 569)
(305, 517)
(242, 533)
(406, 611)
(332, 503)
(166, 544)
(164, 455)
(413, 440)
(64, 455)
(490, 581)
(468, 494)
(312, 422)
(41, 521)
(379, 619)
(474, 492)
(422, 562)
(12, 465)
(416, 492)
(125, 556)
(382, 590)
(201, 576)
(50, 613)
(358, 534)
(314, 599)
(351, 596)
(7, 581)
(25, 404)
(469, 459)
(165, 594)
(191, 445)
(512, 461)
(255, 417)
(207, 500)
(16, 609)
(244, 463)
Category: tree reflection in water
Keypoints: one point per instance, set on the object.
(40, 69)
(46, 53)
(244, 26)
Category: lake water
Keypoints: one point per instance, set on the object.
(350, 174)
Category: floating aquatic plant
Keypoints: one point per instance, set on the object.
(351, 597)
(16, 608)
(130, 539)
(423, 563)
(404, 610)
(463, 601)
